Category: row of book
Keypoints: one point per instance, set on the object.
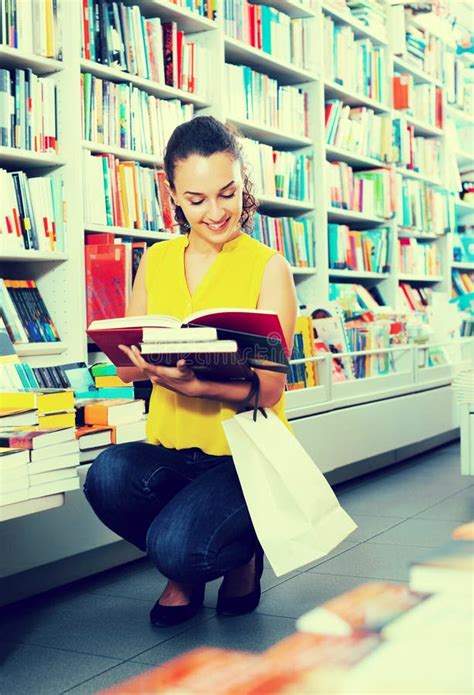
(204, 8)
(463, 245)
(369, 192)
(415, 153)
(421, 100)
(280, 174)
(24, 312)
(119, 36)
(463, 283)
(426, 51)
(418, 258)
(32, 26)
(125, 194)
(253, 96)
(303, 375)
(372, 13)
(28, 117)
(412, 297)
(458, 84)
(423, 208)
(125, 116)
(358, 130)
(366, 251)
(355, 63)
(274, 32)
(293, 238)
(32, 212)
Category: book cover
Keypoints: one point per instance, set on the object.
(106, 281)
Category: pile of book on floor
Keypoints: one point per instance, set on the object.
(379, 638)
(102, 423)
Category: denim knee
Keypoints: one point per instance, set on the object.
(107, 479)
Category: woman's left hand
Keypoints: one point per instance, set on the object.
(180, 379)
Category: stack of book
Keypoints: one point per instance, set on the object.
(36, 463)
(26, 317)
(413, 298)
(121, 37)
(110, 108)
(357, 64)
(281, 174)
(256, 97)
(28, 117)
(372, 13)
(293, 238)
(418, 258)
(37, 409)
(369, 192)
(108, 422)
(269, 30)
(80, 378)
(125, 194)
(458, 83)
(359, 130)
(31, 212)
(425, 50)
(366, 250)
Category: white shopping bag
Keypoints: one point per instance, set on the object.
(295, 513)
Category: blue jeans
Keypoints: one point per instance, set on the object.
(183, 507)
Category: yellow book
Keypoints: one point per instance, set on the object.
(49, 29)
(109, 381)
(54, 421)
(124, 196)
(304, 325)
(52, 401)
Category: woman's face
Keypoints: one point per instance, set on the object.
(209, 191)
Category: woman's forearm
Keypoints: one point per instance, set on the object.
(271, 388)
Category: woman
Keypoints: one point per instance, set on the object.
(178, 497)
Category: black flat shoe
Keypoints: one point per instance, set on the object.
(164, 616)
(238, 605)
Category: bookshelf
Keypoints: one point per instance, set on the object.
(318, 413)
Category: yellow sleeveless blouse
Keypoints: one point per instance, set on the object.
(232, 281)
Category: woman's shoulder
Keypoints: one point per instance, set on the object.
(161, 249)
(256, 248)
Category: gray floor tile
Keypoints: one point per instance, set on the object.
(140, 580)
(95, 624)
(391, 562)
(369, 526)
(304, 592)
(459, 507)
(253, 632)
(269, 580)
(417, 531)
(44, 671)
(117, 674)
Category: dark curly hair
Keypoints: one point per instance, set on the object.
(204, 135)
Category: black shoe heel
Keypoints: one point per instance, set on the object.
(239, 605)
(164, 616)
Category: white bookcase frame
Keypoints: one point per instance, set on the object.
(317, 413)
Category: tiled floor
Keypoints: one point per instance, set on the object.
(95, 633)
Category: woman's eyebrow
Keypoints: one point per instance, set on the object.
(221, 189)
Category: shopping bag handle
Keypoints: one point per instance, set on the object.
(254, 392)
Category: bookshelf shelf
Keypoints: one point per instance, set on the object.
(336, 214)
(25, 158)
(338, 91)
(464, 157)
(33, 255)
(40, 349)
(303, 271)
(409, 174)
(360, 30)
(40, 504)
(357, 274)
(162, 91)
(404, 233)
(406, 277)
(337, 154)
(422, 128)
(463, 208)
(286, 73)
(404, 65)
(274, 204)
(268, 135)
(120, 153)
(291, 8)
(460, 116)
(462, 265)
(15, 58)
(187, 21)
(125, 231)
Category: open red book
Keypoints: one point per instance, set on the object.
(234, 340)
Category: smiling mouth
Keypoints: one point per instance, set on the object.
(218, 227)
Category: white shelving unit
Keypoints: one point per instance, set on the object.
(392, 403)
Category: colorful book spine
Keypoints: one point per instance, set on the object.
(418, 258)
(370, 192)
(366, 251)
(30, 311)
(423, 208)
(293, 238)
(359, 130)
(32, 27)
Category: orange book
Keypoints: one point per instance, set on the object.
(402, 91)
(114, 411)
(464, 532)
